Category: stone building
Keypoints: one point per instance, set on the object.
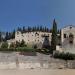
(68, 38)
(33, 38)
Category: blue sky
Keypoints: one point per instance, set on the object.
(14, 13)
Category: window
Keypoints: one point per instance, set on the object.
(70, 27)
(64, 35)
(17, 33)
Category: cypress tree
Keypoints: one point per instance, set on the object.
(13, 34)
(54, 36)
(41, 28)
(45, 28)
(7, 36)
(23, 30)
(0, 37)
(33, 29)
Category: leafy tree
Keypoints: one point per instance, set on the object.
(4, 45)
(54, 36)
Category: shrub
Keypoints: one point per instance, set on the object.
(4, 45)
(64, 56)
(22, 44)
(25, 49)
(12, 45)
(17, 44)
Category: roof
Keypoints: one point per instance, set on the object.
(69, 26)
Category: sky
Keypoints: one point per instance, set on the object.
(14, 13)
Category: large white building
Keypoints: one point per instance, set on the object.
(33, 38)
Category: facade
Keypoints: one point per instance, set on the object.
(33, 38)
(68, 35)
(68, 39)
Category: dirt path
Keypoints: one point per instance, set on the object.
(37, 72)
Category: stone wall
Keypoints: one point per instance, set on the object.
(41, 61)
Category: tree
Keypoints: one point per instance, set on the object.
(37, 28)
(41, 28)
(13, 34)
(19, 29)
(33, 29)
(58, 31)
(45, 29)
(12, 45)
(10, 35)
(50, 30)
(22, 44)
(7, 36)
(54, 36)
(17, 44)
(23, 30)
(0, 36)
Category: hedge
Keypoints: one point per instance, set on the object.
(26, 49)
(64, 56)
